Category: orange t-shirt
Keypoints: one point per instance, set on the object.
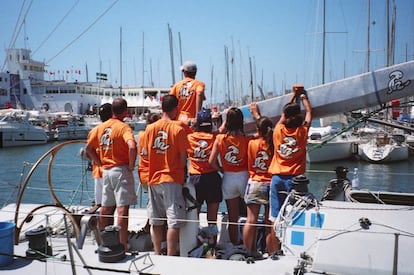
(96, 170)
(233, 152)
(111, 138)
(164, 141)
(143, 162)
(259, 159)
(186, 91)
(290, 150)
(201, 144)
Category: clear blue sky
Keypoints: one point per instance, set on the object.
(282, 38)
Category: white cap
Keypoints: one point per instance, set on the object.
(189, 66)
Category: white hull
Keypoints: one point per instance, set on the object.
(322, 146)
(324, 234)
(383, 153)
(17, 131)
(354, 93)
(333, 150)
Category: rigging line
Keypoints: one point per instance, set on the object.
(16, 33)
(53, 31)
(82, 33)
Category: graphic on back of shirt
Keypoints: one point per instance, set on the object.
(288, 148)
(232, 155)
(160, 142)
(260, 161)
(106, 140)
(200, 151)
(185, 91)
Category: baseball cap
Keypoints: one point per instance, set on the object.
(189, 66)
(105, 111)
(204, 118)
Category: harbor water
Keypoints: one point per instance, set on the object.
(73, 183)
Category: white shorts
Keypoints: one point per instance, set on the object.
(98, 190)
(234, 184)
(118, 187)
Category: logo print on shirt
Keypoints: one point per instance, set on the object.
(160, 142)
(185, 90)
(199, 151)
(231, 155)
(260, 160)
(287, 148)
(106, 141)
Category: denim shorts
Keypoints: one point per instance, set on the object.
(279, 187)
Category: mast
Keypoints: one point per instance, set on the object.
(323, 43)
(171, 54)
(251, 80)
(143, 61)
(369, 28)
(120, 62)
(211, 81)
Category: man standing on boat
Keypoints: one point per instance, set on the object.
(105, 113)
(190, 94)
(165, 146)
(117, 154)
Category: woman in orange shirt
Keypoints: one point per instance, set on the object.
(230, 149)
(289, 139)
(206, 179)
(260, 152)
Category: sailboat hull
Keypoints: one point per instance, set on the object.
(366, 90)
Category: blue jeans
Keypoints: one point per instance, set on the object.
(277, 198)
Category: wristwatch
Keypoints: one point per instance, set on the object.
(303, 96)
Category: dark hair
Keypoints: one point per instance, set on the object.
(169, 102)
(265, 128)
(293, 116)
(105, 111)
(151, 118)
(119, 106)
(234, 120)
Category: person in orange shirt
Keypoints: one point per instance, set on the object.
(231, 148)
(143, 162)
(190, 93)
(117, 156)
(165, 146)
(206, 179)
(289, 139)
(259, 155)
(105, 113)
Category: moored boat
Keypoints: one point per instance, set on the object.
(326, 144)
(15, 130)
(383, 148)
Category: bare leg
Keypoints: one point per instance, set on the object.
(212, 210)
(173, 235)
(106, 216)
(123, 212)
(272, 242)
(157, 236)
(233, 209)
(250, 228)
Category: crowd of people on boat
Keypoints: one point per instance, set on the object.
(185, 144)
